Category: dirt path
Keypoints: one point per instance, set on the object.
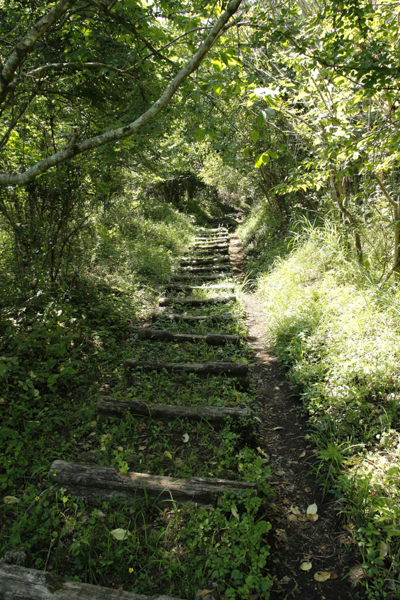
(294, 541)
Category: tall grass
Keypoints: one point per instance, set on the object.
(338, 336)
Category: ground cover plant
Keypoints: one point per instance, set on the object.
(61, 348)
(336, 332)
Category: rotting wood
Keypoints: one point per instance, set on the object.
(190, 288)
(197, 277)
(212, 240)
(210, 231)
(215, 415)
(229, 369)
(20, 583)
(195, 319)
(208, 269)
(204, 261)
(195, 301)
(94, 482)
(214, 339)
(202, 246)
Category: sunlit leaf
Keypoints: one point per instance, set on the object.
(120, 534)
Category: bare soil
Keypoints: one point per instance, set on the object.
(294, 540)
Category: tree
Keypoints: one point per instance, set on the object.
(56, 55)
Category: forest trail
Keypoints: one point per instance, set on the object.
(296, 539)
(203, 320)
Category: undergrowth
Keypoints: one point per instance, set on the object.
(61, 348)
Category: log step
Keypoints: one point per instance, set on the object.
(30, 584)
(211, 231)
(199, 319)
(189, 288)
(229, 369)
(196, 277)
(92, 482)
(215, 415)
(202, 246)
(208, 269)
(196, 301)
(212, 240)
(214, 339)
(205, 261)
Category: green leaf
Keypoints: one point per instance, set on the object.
(259, 161)
(261, 119)
(245, 153)
(270, 112)
(200, 135)
(255, 134)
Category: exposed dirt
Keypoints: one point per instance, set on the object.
(294, 541)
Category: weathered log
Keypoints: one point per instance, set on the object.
(212, 231)
(211, 240)
(229, 369)
(19, 583)
(197, 277)
(214, 339)
(205, 261)
(199, 319)
(190, 288)
(215, 415)
(93, 482)
(208, 269)
(211, 246)
(196, 301)
(212, 251)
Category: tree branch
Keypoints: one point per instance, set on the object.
(73, 149)
(25, 46)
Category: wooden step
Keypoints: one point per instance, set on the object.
(108, 407)
(208, 269)
(19, 583)
(214, 339)
(211, 240)
(217, 260)
(195, 301)
(198, 319)
(190, 288)
(212, 231)
(203, 246)
(93, 483)
(196, 277)
(228, 369)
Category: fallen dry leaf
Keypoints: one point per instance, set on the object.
(383, 549)
(280, 473)
(168, 455)
(286, 501)
(306, 566)
(296, 511)
(142, 447)
(185, 438)
(10, 499)
(262, 452)
(203, 593)
(312, 512)
(282, 535)
(291, 518)
(322, 576)
(302, 455)
(307, 490)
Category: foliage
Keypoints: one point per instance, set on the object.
(337, 334)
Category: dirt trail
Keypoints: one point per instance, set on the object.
(294, 541)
